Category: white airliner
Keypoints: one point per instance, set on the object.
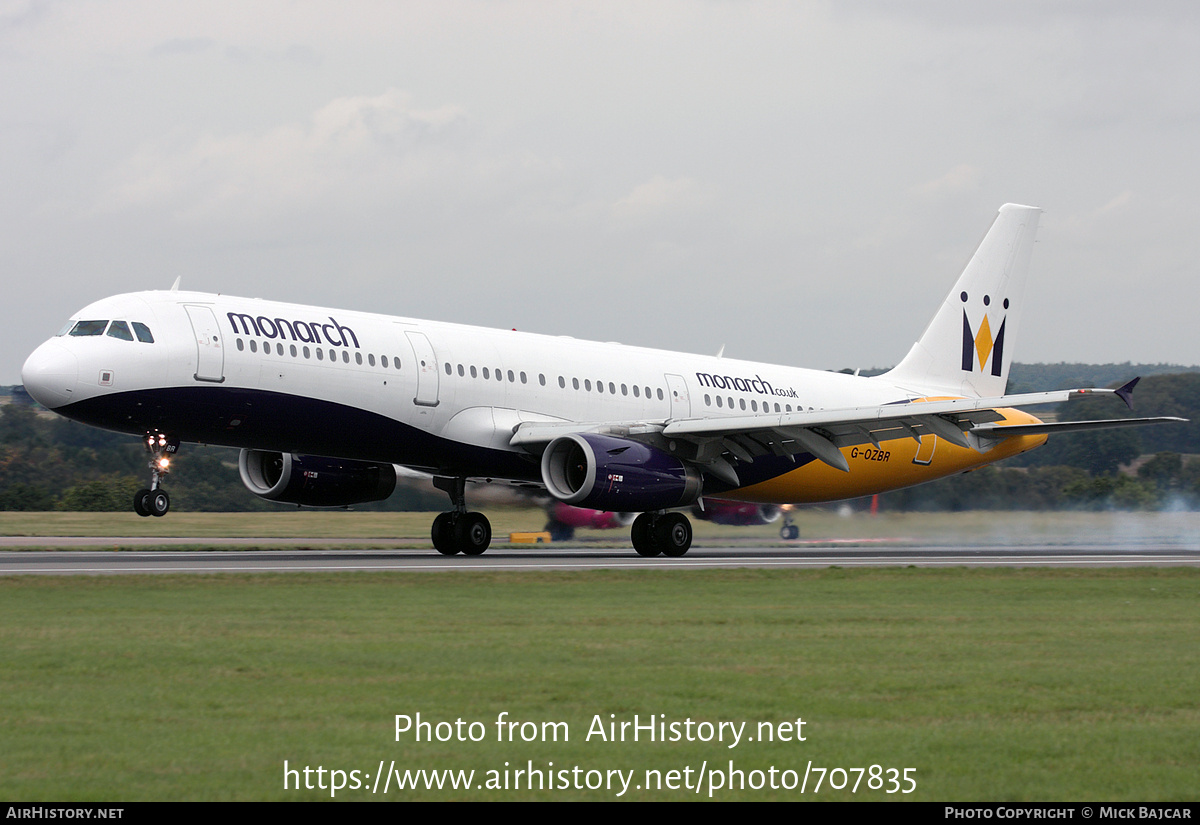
(324, 402)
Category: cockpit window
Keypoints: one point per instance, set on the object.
(143, 333)
(89, 328)
(66, 328)
(120, 329)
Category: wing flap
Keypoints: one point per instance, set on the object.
(823, 433)
(968, 409)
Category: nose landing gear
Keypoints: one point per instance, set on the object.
(154, 501)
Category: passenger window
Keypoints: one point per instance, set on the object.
(240, 345)
(292, 349)
(637, 392)
(460, 371)
(143, 333)
(510, 377)
(485, 373)
(320, 352)
(719, 404)
(371, 359)
(624, 389)
(449, 371)
(89, 328)
(346, 358)
(358, 360)
(660, 395)
(383, 361)
(474, 374)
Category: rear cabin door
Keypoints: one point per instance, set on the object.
(681, 403)
(427, 369)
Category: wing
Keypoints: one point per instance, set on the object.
(966, 422)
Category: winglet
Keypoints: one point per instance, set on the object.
(1125, 393)
(175, 286)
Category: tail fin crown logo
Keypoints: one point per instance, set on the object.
(981, 344)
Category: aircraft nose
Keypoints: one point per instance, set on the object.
(50, 374)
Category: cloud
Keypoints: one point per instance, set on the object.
(962, 178)
(183, 45)
(1099, 222)
(352, 147)
(662, 197)
(1117, 204)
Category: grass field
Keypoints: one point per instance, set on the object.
(989, 684)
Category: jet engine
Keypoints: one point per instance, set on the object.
(583, 517)
(604, 472)
(736, 513)
(314, 481)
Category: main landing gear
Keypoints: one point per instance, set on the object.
(154, 501)
(789, 530)
(666, 533)
(458, 531)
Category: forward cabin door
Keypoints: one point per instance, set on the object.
(427, 369)
(210, 353)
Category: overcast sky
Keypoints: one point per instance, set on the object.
(801, 182)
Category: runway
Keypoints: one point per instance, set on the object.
(349, 559)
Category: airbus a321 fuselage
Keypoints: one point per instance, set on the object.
(323, 402)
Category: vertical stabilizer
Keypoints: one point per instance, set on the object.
(968, 346)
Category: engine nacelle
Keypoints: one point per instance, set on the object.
(608, 473)
(737, 513)
(583, 517)
(314, 481)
